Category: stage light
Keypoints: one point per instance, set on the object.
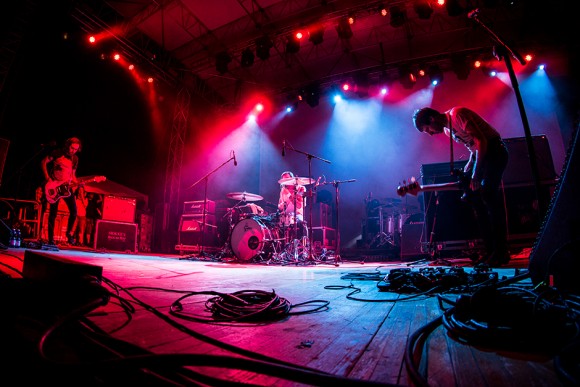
(116, 56)
(398, 16)
(247, 58)
(92, 39)
(292, 44)
(222, 60)
(263, 46)
(460, 67)
(316, 35)
(406, 77)
(343, 29)
(311, 94)
(423, 9)
(435, 74)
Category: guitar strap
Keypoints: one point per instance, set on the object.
(451, 167)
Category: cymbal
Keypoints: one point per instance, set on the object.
(296, 181)
(393, 200)
(245, 196)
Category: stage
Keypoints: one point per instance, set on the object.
(80, 316)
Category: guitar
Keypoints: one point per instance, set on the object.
(413, 187)
(54, 190)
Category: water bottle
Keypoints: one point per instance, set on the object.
(12, 241)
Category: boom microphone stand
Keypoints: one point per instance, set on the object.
(501, 51)
(335, 183)
(309, 157)
(202, 228)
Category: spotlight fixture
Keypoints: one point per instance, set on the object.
(247, 58)
(292, 44)
(460, 67)
(343, 29)
(398, 16)
(263, 46)
(311, 94)
(222, 60)
(435, 74)
(316, 35)
(407, 77)
(423, 9)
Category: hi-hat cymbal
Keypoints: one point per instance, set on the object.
(296, 181)
(245, 196)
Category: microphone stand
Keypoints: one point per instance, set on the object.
(335, 183)
(309, 157)
(501, 52)
(205, 178)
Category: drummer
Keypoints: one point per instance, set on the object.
(288, 201)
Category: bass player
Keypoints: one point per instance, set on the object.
(487, 162)
(59, 167)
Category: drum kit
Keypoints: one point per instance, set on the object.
(257, 234)
(390, 214)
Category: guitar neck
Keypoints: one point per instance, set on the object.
(453, 186)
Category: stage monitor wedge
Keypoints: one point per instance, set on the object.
(555, 256)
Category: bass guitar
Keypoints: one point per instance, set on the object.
(54, 190)
(412, 187)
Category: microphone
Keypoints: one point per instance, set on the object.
(235, 161)
(473, 13)
(318, 181)
(283, 148)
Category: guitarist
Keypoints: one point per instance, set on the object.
(60, 166)
(487, 162)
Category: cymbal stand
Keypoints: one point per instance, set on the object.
(309, 157)
(203, 224)
(335, 183)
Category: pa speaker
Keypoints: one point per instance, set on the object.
(554, 259)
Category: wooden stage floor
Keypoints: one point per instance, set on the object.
(146, 320)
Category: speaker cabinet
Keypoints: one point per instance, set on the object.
(119, 209)
(519, 171)
(447, 217)
(323, 237)
(190, 231)
(554, 259)
(321, 215)
(116, 236)
(411, 236)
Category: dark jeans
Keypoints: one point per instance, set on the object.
(487, 202)
(53, 212)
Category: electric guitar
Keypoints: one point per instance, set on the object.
(54, 190)
(413, 187)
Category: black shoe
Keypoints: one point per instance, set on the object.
(71, 240)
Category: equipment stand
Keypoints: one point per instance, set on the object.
(203, 224)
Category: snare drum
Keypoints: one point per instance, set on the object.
(251, 237)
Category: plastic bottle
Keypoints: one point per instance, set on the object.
(18, 238)
(12, 241)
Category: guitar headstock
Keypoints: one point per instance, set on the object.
(411, 187)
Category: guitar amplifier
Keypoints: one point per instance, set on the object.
(116, 236)
(447, 217)
(196, 207)
(119, 209)
(190, 231)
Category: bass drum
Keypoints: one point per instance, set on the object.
(250, 238)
